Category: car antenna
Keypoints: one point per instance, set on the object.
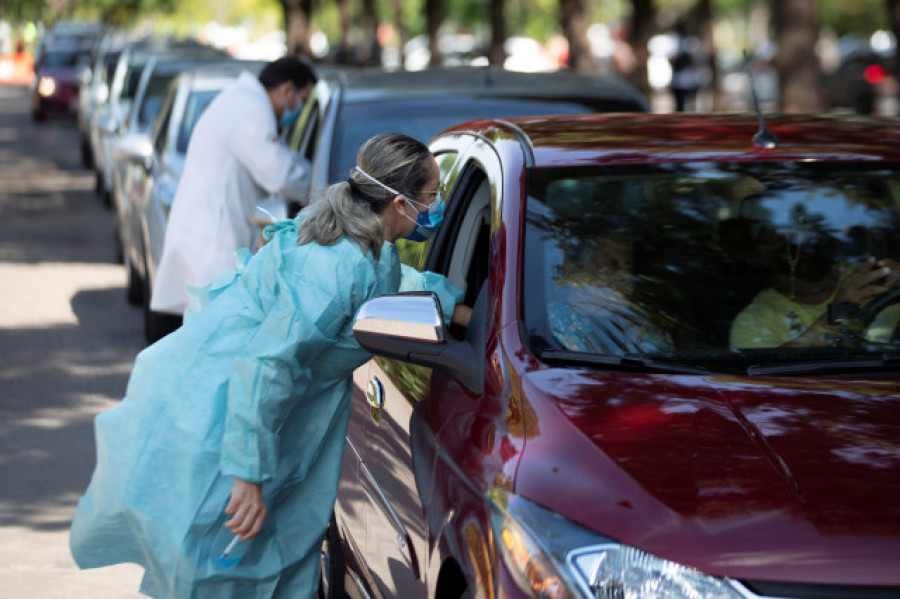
(763, 138)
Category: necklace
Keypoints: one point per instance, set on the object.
(794, 259)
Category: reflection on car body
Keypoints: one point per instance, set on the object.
(513, 461)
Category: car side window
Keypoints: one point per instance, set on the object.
(304, 134)
(162, 125)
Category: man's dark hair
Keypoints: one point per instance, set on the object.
(288, 68)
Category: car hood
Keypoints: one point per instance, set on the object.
(794, 480)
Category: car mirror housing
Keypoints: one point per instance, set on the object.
(136, 149)
(410, 327)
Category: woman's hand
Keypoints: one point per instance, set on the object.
(248, 508)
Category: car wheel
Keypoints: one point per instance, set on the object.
(331, 582)
(134, 288)
(87, 158)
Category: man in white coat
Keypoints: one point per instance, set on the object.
(235, 159)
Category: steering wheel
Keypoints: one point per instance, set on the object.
(855, 321)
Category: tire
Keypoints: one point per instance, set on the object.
(87, 158)
(134, 288)
(331, 581)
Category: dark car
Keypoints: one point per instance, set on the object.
(608, 425)
(347, 107)
(57, 77)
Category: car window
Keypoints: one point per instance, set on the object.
(162, 127)
(685, 259)
(425, 117)
(61, 59)
(153, 98)
(304, 135)
(196, 103)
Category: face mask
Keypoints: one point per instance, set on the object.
(427, 221)
(289, 118)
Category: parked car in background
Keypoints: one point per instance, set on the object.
(346, 108)
(108, 116)
(595, 432)
(95, 85)
(151, 190)
(134, 131)
(54, 87)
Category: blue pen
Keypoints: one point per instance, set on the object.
(224, 559)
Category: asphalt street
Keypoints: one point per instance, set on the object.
(68, 339)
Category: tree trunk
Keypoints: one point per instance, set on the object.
(643, 27)
(496, 52)
(893, 7)
(574, 23)
(433, 18)
(708, 49)
(342, 55)
(402, 32)
(297, 14)
(799, 72)
(370, 49)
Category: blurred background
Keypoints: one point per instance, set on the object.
(695, 55)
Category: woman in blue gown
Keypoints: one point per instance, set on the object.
(234, 425)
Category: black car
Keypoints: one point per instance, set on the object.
(348, 107)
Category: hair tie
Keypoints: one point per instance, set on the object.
(358, 194)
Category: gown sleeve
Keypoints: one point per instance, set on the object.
(448, 293)
(306, 317)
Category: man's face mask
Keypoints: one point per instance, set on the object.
(290, 116)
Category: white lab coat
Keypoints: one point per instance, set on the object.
(234, 160)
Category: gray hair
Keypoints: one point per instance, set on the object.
(351, 208)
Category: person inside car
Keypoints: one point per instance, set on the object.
(218, 472)
(807, 276)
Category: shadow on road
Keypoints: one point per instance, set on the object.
(53, 381)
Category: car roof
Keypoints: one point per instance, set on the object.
(370, 84)
(656, 138)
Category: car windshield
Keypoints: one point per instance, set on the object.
(63, 59)
(153, 99)
(729, 266)
(196, 103)
(425, 117)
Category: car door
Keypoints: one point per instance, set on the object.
(397, 532)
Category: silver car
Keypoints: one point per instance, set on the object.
(134, 132)
(109, 116)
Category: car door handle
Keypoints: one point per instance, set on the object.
(375, 394)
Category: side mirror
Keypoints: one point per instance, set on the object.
(136, 149)
(410, 327)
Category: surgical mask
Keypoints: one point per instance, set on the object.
(289, 117)
(427, 221)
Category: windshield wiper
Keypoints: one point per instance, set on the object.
(630, 362)
(883, 364)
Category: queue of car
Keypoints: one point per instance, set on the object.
(599, 429)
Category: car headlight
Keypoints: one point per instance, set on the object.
(551, 557)
(46, 86)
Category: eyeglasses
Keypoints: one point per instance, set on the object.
(441, 190)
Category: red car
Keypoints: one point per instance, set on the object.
(57, 78)
(680, 378)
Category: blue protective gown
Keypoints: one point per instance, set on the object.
(256, 384)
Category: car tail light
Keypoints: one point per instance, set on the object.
(874, 74)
